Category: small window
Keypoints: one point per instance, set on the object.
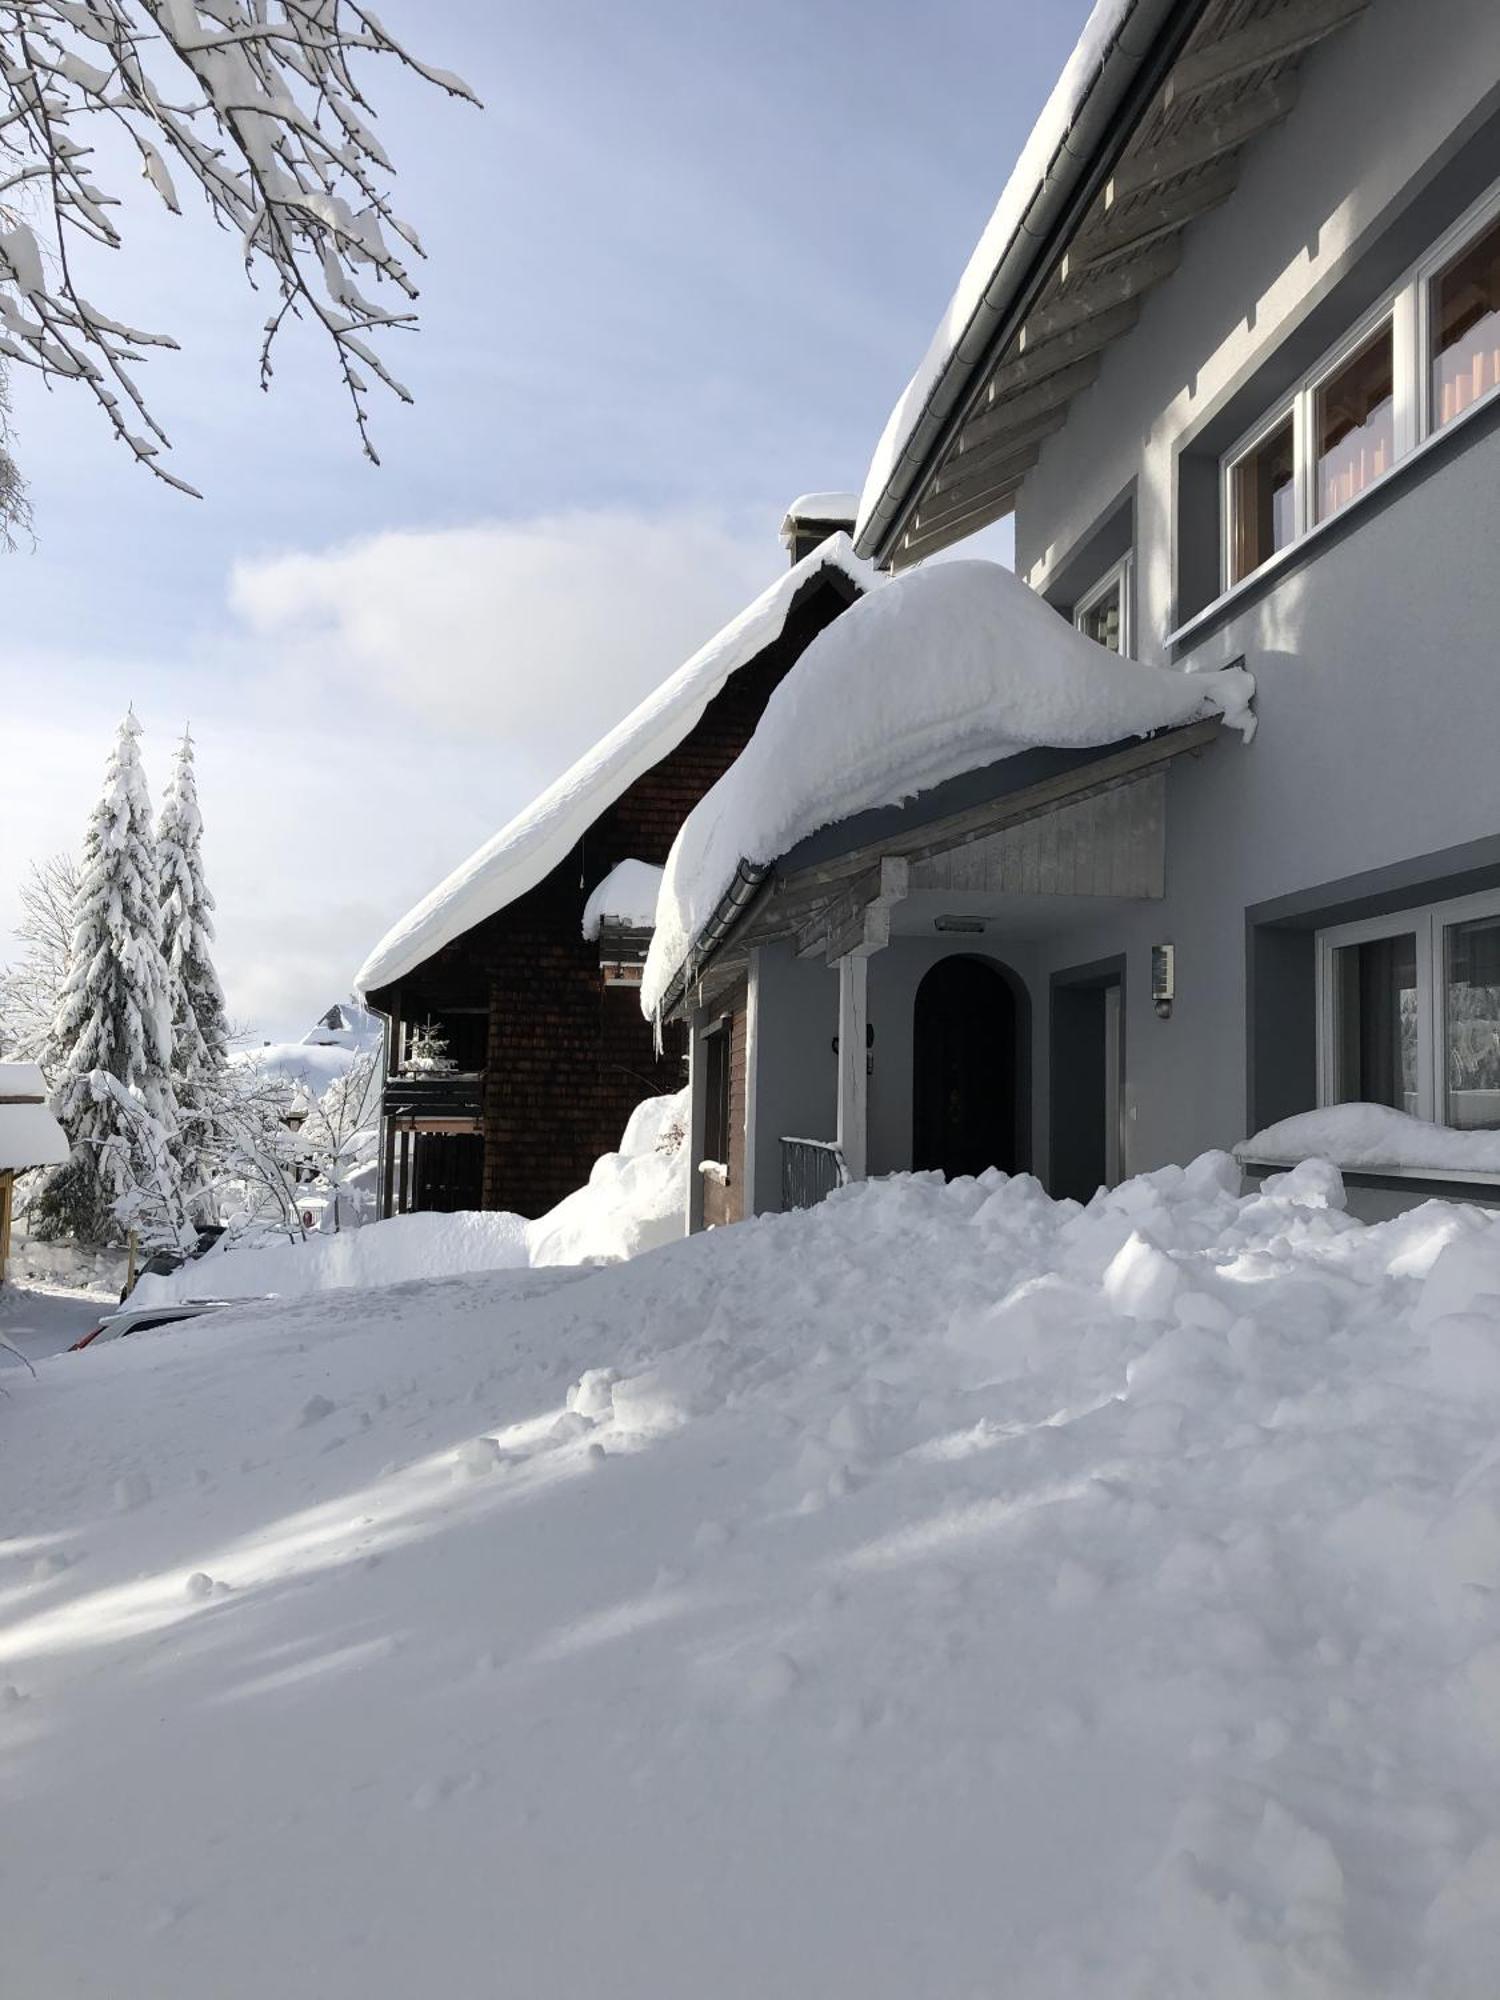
(1471, 1006)
(1410, 1013)
(1354, 418)
(1375, 1023)
(1465, 319)
(1103, 613)
(716, 1094)
(1262, 500)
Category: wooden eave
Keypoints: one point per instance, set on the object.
(1234, 78)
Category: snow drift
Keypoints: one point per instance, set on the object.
(943, 671)
(946, 1592)
(634, 1200)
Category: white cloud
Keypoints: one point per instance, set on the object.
(513, 629)
(367, 716)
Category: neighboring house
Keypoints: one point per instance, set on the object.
(29, 1137)
(1229, 351)
(515, 1046)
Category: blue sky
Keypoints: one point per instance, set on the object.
(679, 268)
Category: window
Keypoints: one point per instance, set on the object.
(716, 1094)
(1103, 613)
(1464, 308)
(1427, 354)
(1262, 501)
(1355, 423)
(1409, 1013)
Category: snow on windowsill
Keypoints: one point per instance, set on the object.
(1374, 1138)
(714, 1170)
(627, 895)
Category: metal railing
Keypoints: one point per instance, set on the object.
(810, 1169)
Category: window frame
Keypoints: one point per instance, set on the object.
(1428, 922)
(1407, 305)
(1121, 572)
(718, 1092)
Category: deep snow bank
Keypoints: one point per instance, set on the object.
(634, 1200)
(947, 1592)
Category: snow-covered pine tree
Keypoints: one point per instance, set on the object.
(115, 1011)
(200, 1034)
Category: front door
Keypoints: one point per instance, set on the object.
(965, 1070)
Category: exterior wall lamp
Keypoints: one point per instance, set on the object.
(1163, 978)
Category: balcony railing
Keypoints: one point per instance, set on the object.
(810, 1169)
(458, 1094)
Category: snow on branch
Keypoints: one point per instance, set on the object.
(256, 102)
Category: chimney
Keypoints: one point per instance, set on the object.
(813, 517)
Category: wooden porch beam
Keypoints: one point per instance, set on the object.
(1296, 25)
(916, 546)
(1199, 145)
(859, 919)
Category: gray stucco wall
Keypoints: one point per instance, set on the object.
(1377, 657)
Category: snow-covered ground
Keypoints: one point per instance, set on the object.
(945, 1592)
(633, 1200)
(37, 1321)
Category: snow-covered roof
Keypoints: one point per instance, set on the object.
(628, 893)
(531, 845)
(1005, 230)
(29, 1134)
(823, 507)
(947, 669)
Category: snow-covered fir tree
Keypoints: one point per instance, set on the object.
(114, 1015)
(200, 1034)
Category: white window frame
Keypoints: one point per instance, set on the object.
(1408, 306)
(1123, 574)
(1428, 921)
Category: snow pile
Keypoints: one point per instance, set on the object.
(635, 1200)
(945, 1592)
(1372, 1136)
(628, 894)
(526, 850)
(945, 670)
(1029, 180)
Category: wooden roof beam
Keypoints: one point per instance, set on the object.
(1200, 144)
(1073, 304)
(965, 464)
(1054, 392)
(918, 543)
(1123, 231)
(1032, 362)
(969, 503)
(1294, 26)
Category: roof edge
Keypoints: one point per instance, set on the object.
(1141, 50)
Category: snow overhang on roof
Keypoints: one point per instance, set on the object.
(948, 670)
(530, 846)
(29, 1134)
(1141, 134)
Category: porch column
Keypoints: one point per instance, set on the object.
(693, 1219)
(854, 1082)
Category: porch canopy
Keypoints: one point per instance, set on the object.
(950, 745)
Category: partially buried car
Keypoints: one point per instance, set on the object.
(127, 1320)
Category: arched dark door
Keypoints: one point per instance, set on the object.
(965, 1069)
